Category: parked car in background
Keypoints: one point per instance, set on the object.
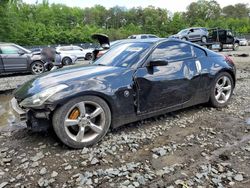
(14, 58)
(243, 41)
(70, 54)
(193, 34)
(134, 80)
(142, 36)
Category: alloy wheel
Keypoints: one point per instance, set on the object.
(203, 39)
(85, 121)
(37, 68)
(67, 61)
(223, 89)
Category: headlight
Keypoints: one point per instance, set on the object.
(39, 98)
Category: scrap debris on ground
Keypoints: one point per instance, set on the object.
(195, 147)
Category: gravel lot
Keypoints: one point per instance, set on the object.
(194, 147)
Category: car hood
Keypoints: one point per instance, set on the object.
(69, 76)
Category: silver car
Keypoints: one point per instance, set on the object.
(193, 34)
(69, 54)
(243, 42)
(14, 58)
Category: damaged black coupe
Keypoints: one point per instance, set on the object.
(135, 79)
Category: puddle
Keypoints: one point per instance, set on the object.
(6, 115)
(248, 121)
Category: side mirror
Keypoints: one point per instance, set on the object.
(20, 52)
(157, 62)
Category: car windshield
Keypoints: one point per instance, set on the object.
(124, 55)
(24, 49)
(183, 32)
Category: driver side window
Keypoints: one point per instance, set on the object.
(9, 50)
(172, 51)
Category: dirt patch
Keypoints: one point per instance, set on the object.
(198, 146)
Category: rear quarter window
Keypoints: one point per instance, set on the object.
(199, 52)
(172, 51)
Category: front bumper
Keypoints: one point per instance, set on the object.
(35, 120)
(19, 113)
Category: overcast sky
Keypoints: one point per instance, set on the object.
(171, 5)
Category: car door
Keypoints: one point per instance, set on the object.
(162, 87)
(194, 34)
(230, 38)
(78, 52)
(13, 58)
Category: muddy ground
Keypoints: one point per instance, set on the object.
(195, 147)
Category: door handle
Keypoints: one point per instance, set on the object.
(198, 66)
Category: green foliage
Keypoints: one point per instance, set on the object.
(237, 11)
(45, 23)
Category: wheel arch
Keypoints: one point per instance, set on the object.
(231, 74)
(32, 62)
(108, 99)
(38, 60)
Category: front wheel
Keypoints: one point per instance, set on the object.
(221, 90)
(82, 122)
(37, 67)
(236, 46)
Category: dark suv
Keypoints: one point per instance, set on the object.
(193, 34)
(14, 58)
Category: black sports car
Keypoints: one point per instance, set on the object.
(134, 80)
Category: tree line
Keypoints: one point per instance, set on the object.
(45, 23)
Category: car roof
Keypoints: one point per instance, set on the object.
(158, 40)
(68, 46)
(196, 28)
(152, 40)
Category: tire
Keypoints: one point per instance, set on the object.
(184, 38)
(84, 133)
(204, 39)
(221, 48)
(88, 56)
(214, 93)
(236, 46)
(66, 61)
(37, 67)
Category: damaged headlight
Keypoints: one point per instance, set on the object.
(39, 98)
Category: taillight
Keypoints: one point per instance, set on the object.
(100, 54)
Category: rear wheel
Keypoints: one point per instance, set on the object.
(37, 67)
(184, 38)
(236, 46)
(82, 121)
(204, 39)
(88, 56)
(222, 90)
